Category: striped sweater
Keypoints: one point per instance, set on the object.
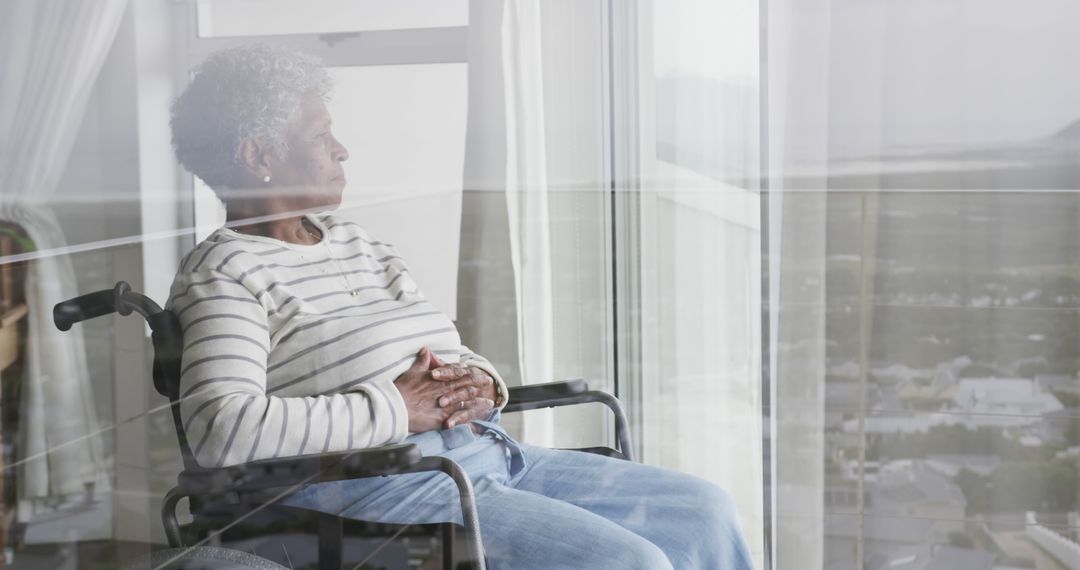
(293, 349)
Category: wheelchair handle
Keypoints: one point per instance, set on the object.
(120, 299)
(83, 307)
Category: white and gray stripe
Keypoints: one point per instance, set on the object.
(293, 349)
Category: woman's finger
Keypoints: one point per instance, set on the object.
(450, 371)
(458, 396)
(464, 389)
(472, 410)
(423, 360)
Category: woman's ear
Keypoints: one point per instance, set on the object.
(255, 157)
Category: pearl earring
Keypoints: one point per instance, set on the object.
(266, 178)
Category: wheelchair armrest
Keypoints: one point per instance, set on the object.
(546, 391)
(295, 471)
(569, 393)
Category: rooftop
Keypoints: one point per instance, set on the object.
(950, 558)
(951, 464)
(908, 483)
(878, 528)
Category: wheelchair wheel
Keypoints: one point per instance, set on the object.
(203, 558)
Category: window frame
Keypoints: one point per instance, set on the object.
(630, 150)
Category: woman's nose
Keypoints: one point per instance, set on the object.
(341, 154)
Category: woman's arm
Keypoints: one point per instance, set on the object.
(227, 414)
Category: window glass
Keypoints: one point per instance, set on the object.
(873, 347)
(700, 387)
(705, 66)
(927, 333)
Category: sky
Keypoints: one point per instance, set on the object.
(951, 73)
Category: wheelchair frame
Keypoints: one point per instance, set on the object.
(262, 483)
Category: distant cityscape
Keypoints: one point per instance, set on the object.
(970, 424)
(962, 460)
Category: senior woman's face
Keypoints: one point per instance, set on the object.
(311, 171)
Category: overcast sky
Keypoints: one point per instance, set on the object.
(918, 73)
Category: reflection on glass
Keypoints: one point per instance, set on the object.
(941, 290)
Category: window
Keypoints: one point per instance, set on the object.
(926, 333)
(823, 252)
(692, 302)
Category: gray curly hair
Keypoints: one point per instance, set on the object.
(246, 92)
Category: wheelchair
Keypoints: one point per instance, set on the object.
(220, 499)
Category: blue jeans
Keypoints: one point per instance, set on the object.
(548, 508)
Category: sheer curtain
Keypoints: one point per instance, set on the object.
(795, 261)
(534, 174)
(527, 199)
(52, 53)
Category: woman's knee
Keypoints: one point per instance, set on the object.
(716, 511)
(585, 548)
(716, 524)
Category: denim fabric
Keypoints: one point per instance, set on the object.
(545, 508)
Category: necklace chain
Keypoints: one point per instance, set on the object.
(318, 237)
(330, 256)
(311, 233)
(348, 284)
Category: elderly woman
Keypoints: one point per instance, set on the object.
(304, 334)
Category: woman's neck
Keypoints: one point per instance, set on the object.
(293, 229)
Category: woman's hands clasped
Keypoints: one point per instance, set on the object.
(440, 395)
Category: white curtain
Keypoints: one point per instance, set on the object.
(50, 54)
(798, 111)
(527, 199)
(534, 174)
